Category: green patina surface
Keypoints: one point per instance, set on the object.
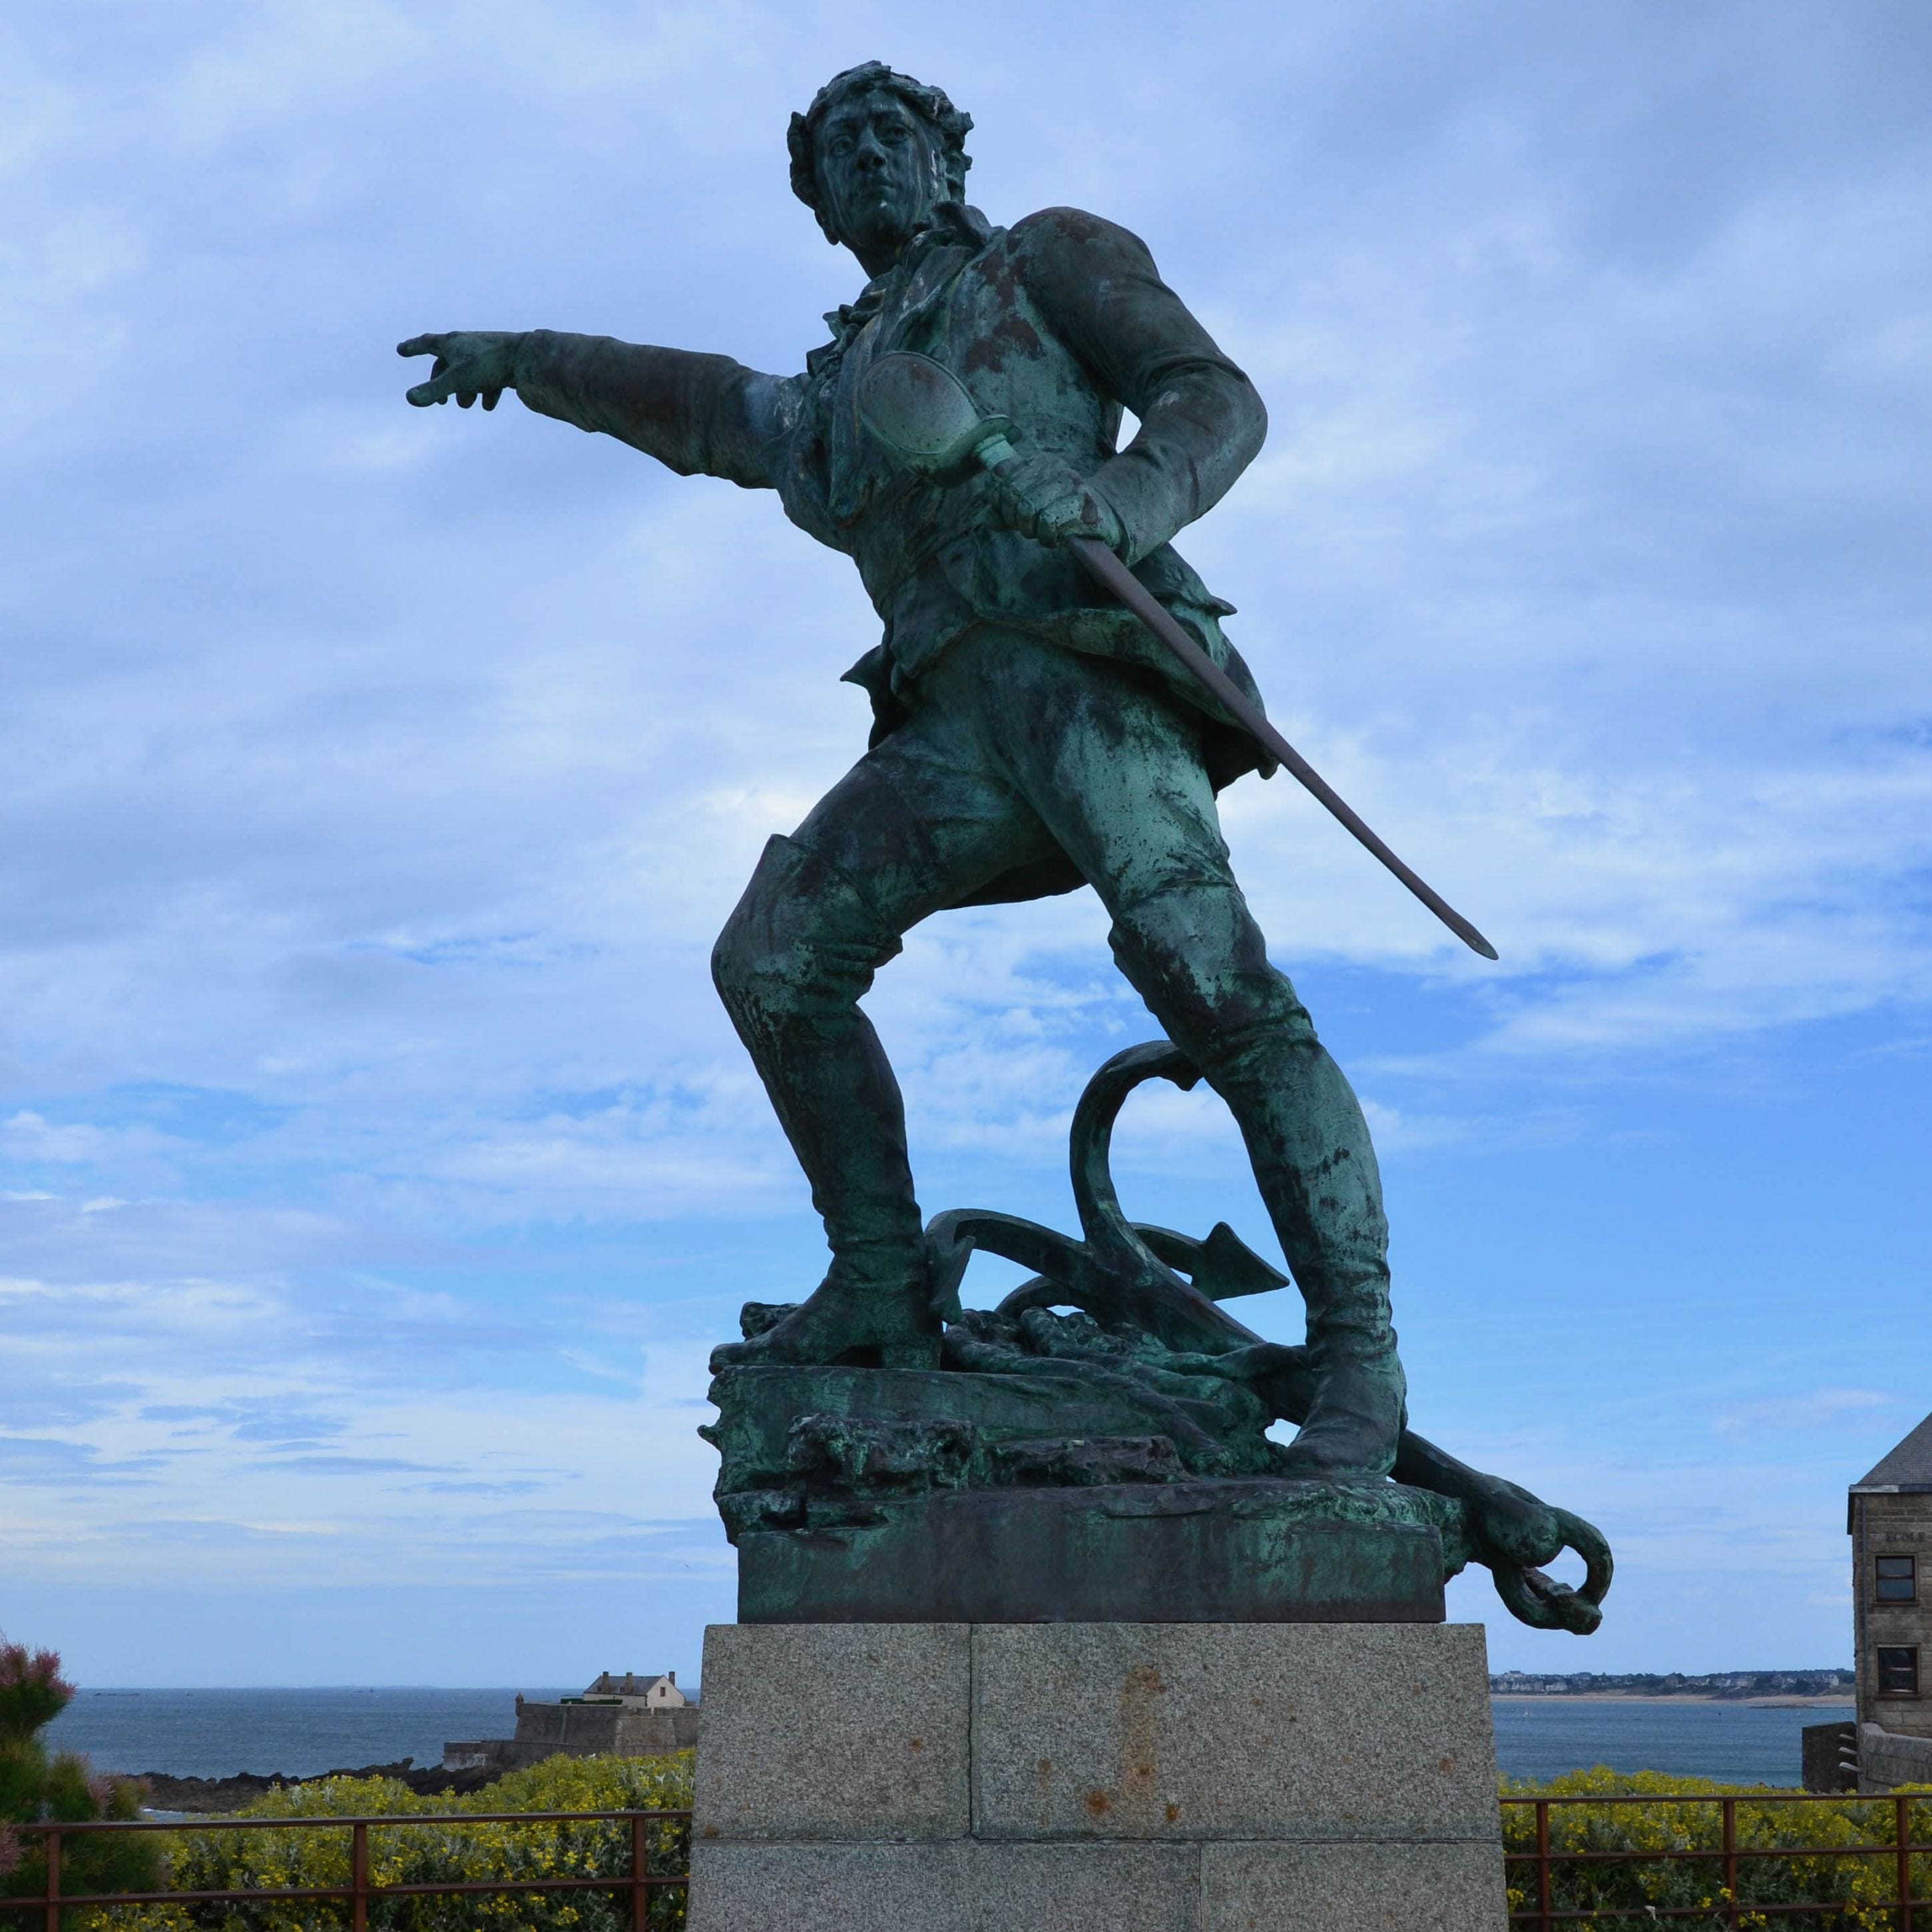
(1102, 1484)
(1029, 736)
(1221, 1551)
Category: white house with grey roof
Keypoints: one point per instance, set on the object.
(643, 1693)
(630, 1715)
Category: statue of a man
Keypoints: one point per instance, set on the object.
(1027, 738)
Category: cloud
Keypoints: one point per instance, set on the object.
(344, 1465)
(1814, 1409)
(305, 1429)
(49, 1459)
(447, 1489)
(376, 780)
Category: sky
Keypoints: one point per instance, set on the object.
(377, 1166)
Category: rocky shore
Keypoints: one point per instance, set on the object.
(210, 1796)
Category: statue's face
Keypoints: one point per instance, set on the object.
(878, 174)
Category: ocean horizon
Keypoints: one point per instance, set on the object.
(300, 1731)
(297, 1731)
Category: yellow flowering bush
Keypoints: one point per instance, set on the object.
(218, 1860)
(1622, 1891)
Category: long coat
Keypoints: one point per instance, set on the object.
(1056, 324)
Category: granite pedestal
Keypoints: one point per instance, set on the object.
(1096, 1777)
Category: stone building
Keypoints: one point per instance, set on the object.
(627, 1716)
(1889, 1515)
(649, 1693)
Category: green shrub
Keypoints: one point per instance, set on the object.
(1869, 1883)
(35, 1788)
(217, 1860)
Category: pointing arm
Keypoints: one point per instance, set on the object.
(697, 414)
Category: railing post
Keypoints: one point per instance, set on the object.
(638, 1893)
(1545, 1922)
(53, 1843)
(1904, 1813)
(1730, 1810)
(359, 1877)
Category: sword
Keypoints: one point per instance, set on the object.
(922, 412)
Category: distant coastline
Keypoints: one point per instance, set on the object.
(1770, 1702)
(1776, 1689)
(212, 1735)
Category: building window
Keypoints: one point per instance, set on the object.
(1897, 1582)
(1897, 1670)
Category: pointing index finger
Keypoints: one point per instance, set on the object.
(421, 345)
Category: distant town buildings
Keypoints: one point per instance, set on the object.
(630, 1716)
(1727, 1686)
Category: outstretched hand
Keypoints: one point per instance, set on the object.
(468, 363)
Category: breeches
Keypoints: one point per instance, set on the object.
(1018, 752)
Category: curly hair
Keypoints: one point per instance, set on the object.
(930, 103)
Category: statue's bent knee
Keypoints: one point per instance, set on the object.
(803, 935)
(1194, 954)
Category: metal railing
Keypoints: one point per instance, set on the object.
(1728, 1858)
(361, 1890)
(1728, 1910)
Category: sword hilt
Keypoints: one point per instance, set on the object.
(927, 418)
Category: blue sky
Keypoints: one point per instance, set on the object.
(378, 1167)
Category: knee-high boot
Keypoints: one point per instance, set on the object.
(1197, 957)
(794, 960)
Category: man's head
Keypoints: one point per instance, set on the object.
(874, 156)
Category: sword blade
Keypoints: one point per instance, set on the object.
(1107, 570)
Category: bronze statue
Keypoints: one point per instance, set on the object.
(1030, 733)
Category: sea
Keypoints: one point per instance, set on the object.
(1736, 1744)
(301, 1732)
